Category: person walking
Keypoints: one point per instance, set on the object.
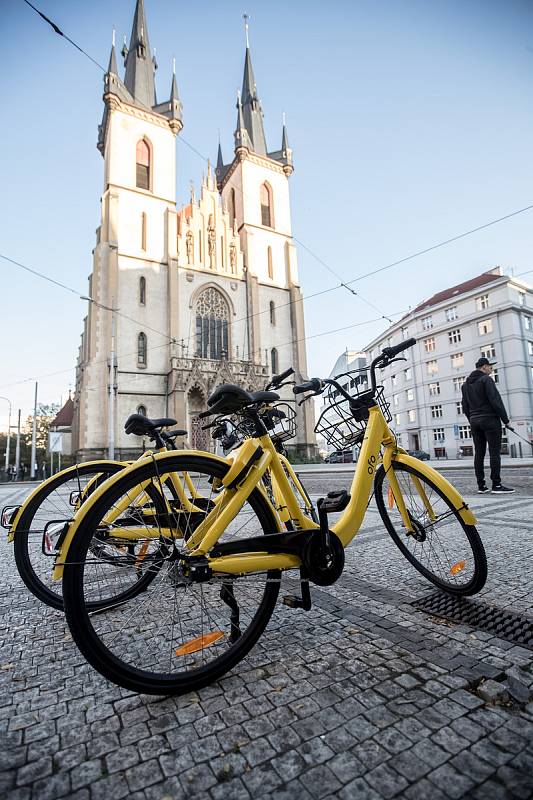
(485, 411)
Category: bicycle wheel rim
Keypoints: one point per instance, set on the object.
(177, 636)
(449, 553)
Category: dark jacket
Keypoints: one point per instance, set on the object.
(481, 399)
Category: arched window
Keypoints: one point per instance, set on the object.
(142, 410)
(142, 291)
(274, 360)
(232, 208)
(141, 349)
(143, 165)
(267, 212)
(212, 325)
(272, 313)
(270, 265)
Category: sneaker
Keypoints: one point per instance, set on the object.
(483, 490)
(501, 490)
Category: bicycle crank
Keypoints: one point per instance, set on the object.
(323, 560)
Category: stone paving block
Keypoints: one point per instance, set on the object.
(122, 758)
(358, 789)
(263, 779)
(490, 790)
(346, 767)
(234, 789)
(386, 781)
(289, 764)
(320, 781)
(471, 764)
(142, 775)
(454, 784)
(370, 753)
(33, 771)
(424, 790)
(515, 780)
(111, 786)
(409, 766)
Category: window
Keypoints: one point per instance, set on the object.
(440, 452)
(489, 351)
(222, 253)
(397, 419)
(412, 415)
(482, 302)
(434, 388)
(528, 323)
(231, 208)
(522, 298)
(142, 291)
(405, 333)
(427, 323)
(429, 344)
(458, 360)
(266, 206)
(396, 399)
(432, 367)
(495, 377)
(142, 180)
(394, 380)
(410, 395)
(458, 382)
(200, 246)
(142, 411)
(458, 407)
(143, 231)
(212, 325)
(530, 348)
(270, 265)
(274, 360)
(454, 336)
(451, 313)
(438, 434)
(272, 313)
(141, 350)
(436, 412)
(484, 327)
(408, 374)
(465, 432)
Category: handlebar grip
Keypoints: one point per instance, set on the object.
(312, 385)
(390, 352)
(280, 378)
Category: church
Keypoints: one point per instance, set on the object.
(184, 299)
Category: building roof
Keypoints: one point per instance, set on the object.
(63, 418)
(140, 68)
(467, 286)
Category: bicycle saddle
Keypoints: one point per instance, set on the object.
(229, 398)
(139, 425)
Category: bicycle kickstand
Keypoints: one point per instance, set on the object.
(303, 602)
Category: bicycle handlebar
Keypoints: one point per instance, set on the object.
(312, 385)
(390, 352)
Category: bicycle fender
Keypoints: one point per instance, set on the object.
(466, 513)
(43, 485)
(62, 556)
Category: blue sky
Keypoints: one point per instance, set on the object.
(410, 122)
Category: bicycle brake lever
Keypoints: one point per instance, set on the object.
(392, 360)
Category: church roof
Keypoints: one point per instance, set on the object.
(252, 114)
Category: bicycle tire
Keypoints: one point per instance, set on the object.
(465, 571)
(132, 657)
(29, 560)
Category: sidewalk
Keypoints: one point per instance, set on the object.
(436, 463)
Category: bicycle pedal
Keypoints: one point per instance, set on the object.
(292, 601)
(334, 501)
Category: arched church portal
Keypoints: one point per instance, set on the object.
(195, 404)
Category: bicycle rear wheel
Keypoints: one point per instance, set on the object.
(178, 635)
(443, 548)
(55, 501)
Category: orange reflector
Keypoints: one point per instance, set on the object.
(142, 553)
(390, 497)
(458, 567)
(199, 643)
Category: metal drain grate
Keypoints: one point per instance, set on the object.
(504, 624)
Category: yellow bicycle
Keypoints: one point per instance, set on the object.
(218, 567)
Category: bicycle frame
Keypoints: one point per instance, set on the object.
(246, 470)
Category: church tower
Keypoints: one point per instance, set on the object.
(182, 300)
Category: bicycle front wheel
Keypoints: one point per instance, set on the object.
(442, 547)
(178, 635)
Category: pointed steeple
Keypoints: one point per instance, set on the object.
(241, 134)
(140, 68)
(286, 152)
(113, 58)
(252, 113)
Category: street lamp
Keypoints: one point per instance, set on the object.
(8, 431)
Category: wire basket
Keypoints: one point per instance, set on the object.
(343, 423)
(280, 422)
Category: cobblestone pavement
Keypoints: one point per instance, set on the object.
(363, 697)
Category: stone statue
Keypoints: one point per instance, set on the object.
(211, 242)
(233, 257)
(189, 244)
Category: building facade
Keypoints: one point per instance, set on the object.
(490, 315)
(353, 362)
(205, 294)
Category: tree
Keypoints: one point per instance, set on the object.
(45, 416)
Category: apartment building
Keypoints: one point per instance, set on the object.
(490, 315)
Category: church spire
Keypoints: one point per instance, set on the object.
(140, 68)
(113, 58)
(252, 114)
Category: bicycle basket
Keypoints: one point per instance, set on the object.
(280, 421)
(342, 423)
